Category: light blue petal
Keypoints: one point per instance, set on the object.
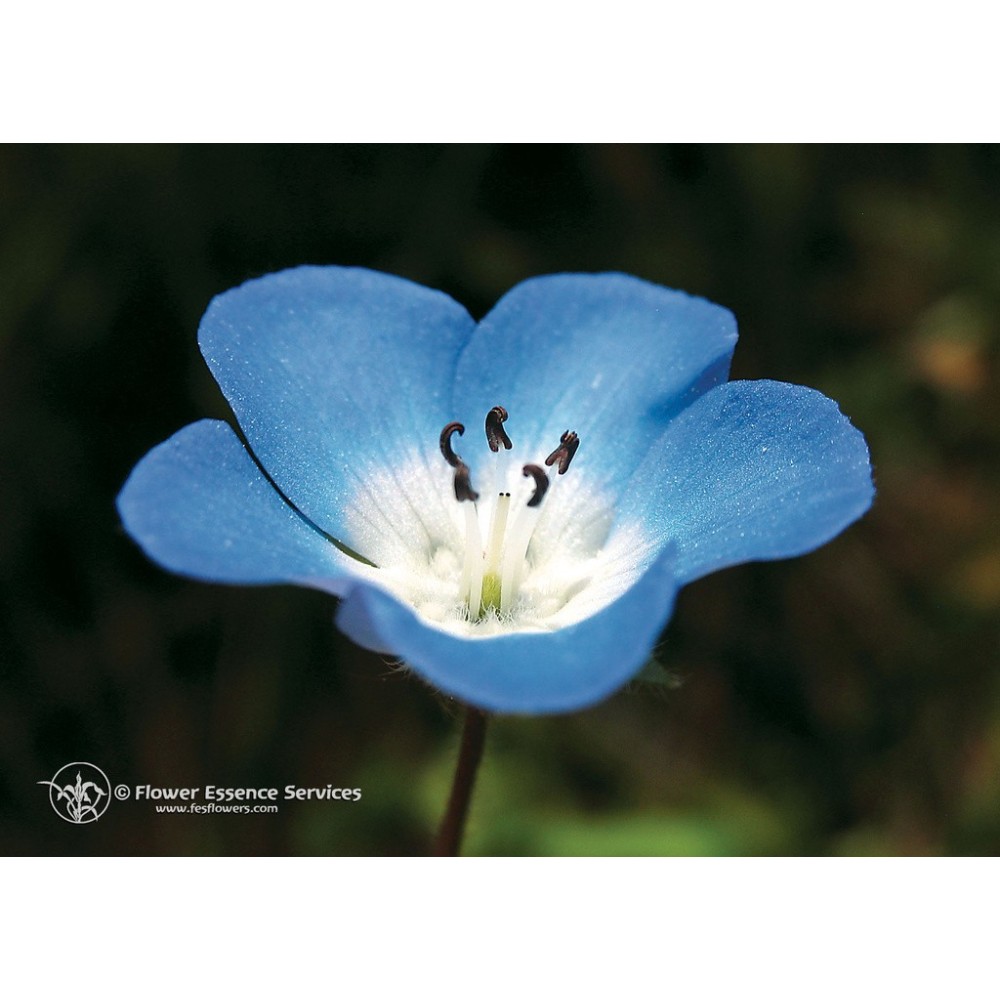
(523, 672)
(607, 355)
(334, 373)
(198, 505)
(752, 470)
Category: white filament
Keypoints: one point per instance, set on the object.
(515, 553)
(470, 588)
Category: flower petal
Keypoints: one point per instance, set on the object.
(523, 672)
(198, 505)
(335, 373)
(752, 470)
(607, 355)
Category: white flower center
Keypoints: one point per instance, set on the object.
(532, 551)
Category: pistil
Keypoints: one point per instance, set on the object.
(494, 553)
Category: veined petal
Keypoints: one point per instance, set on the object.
(198, 505)
(751, 470)
(522, 672)
(336, 375)
(607, 355)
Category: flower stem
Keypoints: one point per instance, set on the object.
(449, 838)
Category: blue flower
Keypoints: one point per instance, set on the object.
(529, 573)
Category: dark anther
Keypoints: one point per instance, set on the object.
(541, 483)
(449, 456)
(568, 444)
(495, 434)
(463, 484)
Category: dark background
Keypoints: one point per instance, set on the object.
(841, 703)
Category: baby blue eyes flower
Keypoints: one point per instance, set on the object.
(507, 507)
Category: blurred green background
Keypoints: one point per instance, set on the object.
(842, 703)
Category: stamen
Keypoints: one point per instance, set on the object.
(449, 455)
(568, 444)
(463, 480)
(463, 483)
(516, 549)
(541, 483)
(471, 584)
(495, 434)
